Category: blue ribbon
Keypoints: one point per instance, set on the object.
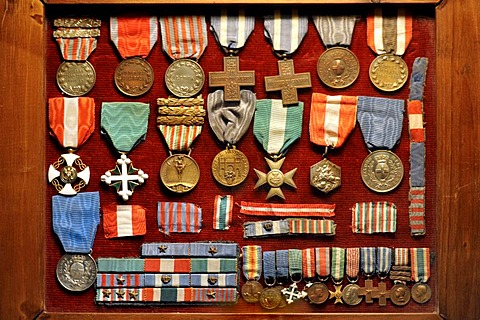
(417, 82)
(269, 269)
(282, 264)
(367, 260)
(384, 260)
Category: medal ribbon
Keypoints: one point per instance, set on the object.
(373, 217)
(232, 28)
(76, 49)
(353, 263)
(308, 263)
(75, 220)
(285, 29)
(134, 36)
(335, 30)
(309, 226)
(384, 260)
(252, 262)
(322, 262)
(180, 217)
(183, 36)
(282, 264)
(72, 120)
(125, 123)
(389, 32)
(338, 264)
(332, 119)
(276, 127)
(420, 258)
(222, 212)
(269, 269)
(401, 256)
(367, 260)
(123, 220)
(287, 210)
(295, 264)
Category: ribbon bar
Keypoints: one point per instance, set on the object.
(288, 227)
(196, 249)
(287, 210)
(113, 280)
(179, 217)
(374, 217)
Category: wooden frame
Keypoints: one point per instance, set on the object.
(22, 123)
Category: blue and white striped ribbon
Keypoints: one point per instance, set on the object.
(265, 228)
(335, 30)
(160, 280)
(282, 264)
(285, 29)
(159, 249)
(269, 268)
(368, 260)
(232, 27)
(384, 260)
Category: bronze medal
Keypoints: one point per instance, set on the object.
(382, 171)
(338, 67)
(270, 298)
(251, 291)
(421, 292)
(76, 272)
(325, 176)
(134, 76)
(388, 72)
(184, 78)
(275, 178)
(179, 173)
(283, 299)
(400, 294)
(318, 293)
(230, 167)
(350, 294)
(76, 78)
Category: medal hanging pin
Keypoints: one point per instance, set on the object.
(295, 259)
(337, 67)
(75, 222)
(350, 292)
(317, 292)
(381, 121)
(230, 111)
(252, 270)
(72, 121)
(389, 32)
(134, 37)
(332, 119)
(286, 30)
(76, 38)
(337, 272)
(184, 39)
(420, 257)
(125, 125)
(400, 274)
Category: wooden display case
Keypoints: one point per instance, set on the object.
(23, 121)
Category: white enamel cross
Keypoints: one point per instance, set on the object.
(68, 174)
(292, 293)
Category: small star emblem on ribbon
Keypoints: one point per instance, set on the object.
(212, 250)
(162, 248)
(211, 294)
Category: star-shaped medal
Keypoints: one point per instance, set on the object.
(275, 178)
(337, 294)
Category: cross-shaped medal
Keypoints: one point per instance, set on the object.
(231, 79)
(367, 291)
(292, 293)
(382, 294)
(288, 81)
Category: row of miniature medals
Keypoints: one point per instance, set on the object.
(314, 266)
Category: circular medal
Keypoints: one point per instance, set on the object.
(230, 167)
(400, 294)
(318, 293)
(350, 294)
(283, 299)
(388, 72)
(76, 272)
(251, 291)
(179, 173)
(338, 67)
(382, 171)
(76, 78)
(421, 292)
(270, 298)
(134, 76)
(184, 78)
(325, 176)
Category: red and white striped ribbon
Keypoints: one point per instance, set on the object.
(123, 220)
(287, 210)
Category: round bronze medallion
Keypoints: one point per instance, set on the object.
(76, 78)
(382, 171)
(421, 292)
(179, 173)
(400, 294)
(270, 298)
(251, 291)
(350, 294)
(283, 299)
(338, 67)
(230, 167)
(388, 72)
(184, 78)
(76, 272)
(134, 76)
(318, 293)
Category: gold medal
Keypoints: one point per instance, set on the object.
(421, 292)
(76, 78)
(388, 72)
(270, 298)
(251, 291)
(325, 176)
(179, 173)
(275, 178)
(184, 78)
(382, 171)
(338, 67)
(317, 293)
(350, 294)
(134, 76)
(230, 167)
(400, 294)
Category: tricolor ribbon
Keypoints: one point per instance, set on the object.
(252, 262)
(269, 268)
(76, 49)
(232, 28)
(335, 30)
(420, 258)
(196, 295)
(374, 217)
(134, 36)
(109, 280)
(222, 212)
(368, 260)
(401, 257)
(308, 264)
(285, 29)
(120, 265)
(338, 264)
(179, 217)
(384, 261)
(287, 210)
(288, 227)
(322, 262)
(162, 280)
(123, 220)
(353, 263)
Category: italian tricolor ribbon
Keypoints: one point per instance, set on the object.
(401, 256)
(322, 262)
(123, 220)
(134, 36)
(374, 217)
(308, 263)
(420, 258)
(338, 264)
(222, 212)
(287, 210)
(252, 262)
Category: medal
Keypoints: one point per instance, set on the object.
(134, 37)
(180, 122)
(125, 125)
(75, 221)
(381, 121)
(285, 31)
(420, 257)
(271, 297)
(184, 39)
(317, 292)
(72, 121)
(337, 67)
(400, 274)
(292, 293)
(369, 264)
(388, 34)
(77, 38)
(384, 263)
(332, 119)
(252, 269)
(337, 273)
(276, 127)
(350, 292)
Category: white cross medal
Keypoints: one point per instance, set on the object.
(292, 293)
(69, 174)
(124, 177)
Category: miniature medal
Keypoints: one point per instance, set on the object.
(134, 38)
(271, 297)
(400, 294)
(350, 293)
(292, 293)
(420, 258)
(337, 273)
(317, 292)
(252, 269)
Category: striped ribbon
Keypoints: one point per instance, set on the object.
(335, 30)
(332, 119)
(161, 280)
(389, 31)
(167, 295)
(367, 260)
(120, 265)
(125, 123)
(160, 249)
(309, 226)
(417, 211)
(420, 258)
(179, 217)
(252, 262)
(308, 263)
(183, 36)
(232, 27)
(353, 263)
(220, 280)
(295, 264)
(175, 280)
(109, 280)
(75, 220)
(287, 210)
(71, 120)
(269, 268)
(281, 261)
(384, 260)
(288, 227)
(285, 29)
(276, 127)
(401, 256)
(164, 265)
(134, 36)
(415, 120)
(338, 264)
(222, 212)
(265, 228)
(322, 262)
(381, 121)
(120, 295)
(76, 49)
(374, 217)
(196, 249)
(123, 220)
(191, 265)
